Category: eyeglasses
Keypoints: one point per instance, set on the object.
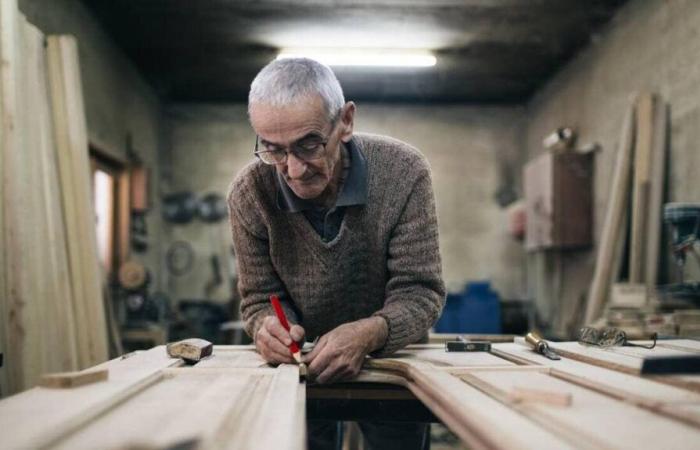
(309, 149)
(609, 337)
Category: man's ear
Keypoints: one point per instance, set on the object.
(347, 121)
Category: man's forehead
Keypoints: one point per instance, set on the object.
(307, 113)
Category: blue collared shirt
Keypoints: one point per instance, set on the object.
(327, 221)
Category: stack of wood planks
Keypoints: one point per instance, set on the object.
(639, 175)
(51, 307)
(511, 398)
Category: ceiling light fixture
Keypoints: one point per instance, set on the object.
(363, 57)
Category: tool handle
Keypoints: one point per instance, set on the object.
(283, 320)
(533, 339)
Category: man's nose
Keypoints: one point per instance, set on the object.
(295, 166)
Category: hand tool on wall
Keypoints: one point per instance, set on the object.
(293, 347)
(190, 350)
(541, 346)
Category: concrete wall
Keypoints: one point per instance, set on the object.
(650, 45)
(468, 147)
(118, 102)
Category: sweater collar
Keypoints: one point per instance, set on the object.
(353, 191)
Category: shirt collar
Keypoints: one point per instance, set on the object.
(353, 191)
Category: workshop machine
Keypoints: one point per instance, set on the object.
(683, 220)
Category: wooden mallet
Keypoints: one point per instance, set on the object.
(190, 350)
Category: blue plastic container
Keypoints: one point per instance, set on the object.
(477, 310)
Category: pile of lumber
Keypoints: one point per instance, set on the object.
(634, 208)
(51, 305)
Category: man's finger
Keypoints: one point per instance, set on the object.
(297, 333)
(273, 343)
(318, 348)
(275, 328)
(329, 375)
(313, 354)
(281, 358)
(278, 347)
(322, 360)
(272, 350)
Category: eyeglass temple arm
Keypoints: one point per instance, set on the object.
(649, 347)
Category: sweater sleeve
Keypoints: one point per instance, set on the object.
(415, 292)
(257, 278)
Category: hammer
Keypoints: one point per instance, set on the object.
(190, 350)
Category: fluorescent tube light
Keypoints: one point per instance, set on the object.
(363, 57)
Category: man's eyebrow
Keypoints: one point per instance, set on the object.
(310, 135)
(266, 142)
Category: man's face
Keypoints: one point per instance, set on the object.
(287, 126)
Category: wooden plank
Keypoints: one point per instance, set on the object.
(688, 345)
(71, 140)
(478, 419)
(233, 358)
(656, 194)
(10, 151)
(586, 422)
(671, 401)
(284, 412)
(641, 187)
(49, 339)
(189, 406)
(123, 218)
(61, 412)
(521, 394)
(438, 357)
(612, 227)
(38, 331)
(66, 380)
(627, 360)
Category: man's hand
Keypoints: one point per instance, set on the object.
(272, 340)
(339, 354)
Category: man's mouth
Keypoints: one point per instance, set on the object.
(304, 180)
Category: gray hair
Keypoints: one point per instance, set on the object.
(284, 81)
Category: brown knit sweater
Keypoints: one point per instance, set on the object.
(385, 260)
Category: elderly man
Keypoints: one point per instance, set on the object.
(340, 225)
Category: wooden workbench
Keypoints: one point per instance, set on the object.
(235, 400)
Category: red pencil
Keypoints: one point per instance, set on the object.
(293, 347)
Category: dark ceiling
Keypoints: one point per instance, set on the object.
(496, 51)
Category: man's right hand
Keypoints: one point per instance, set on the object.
(273, 341)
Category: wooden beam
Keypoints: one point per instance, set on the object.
(612, 227)
(641, 186)
(11, 331)
(66, 380)
(70, 133)
(63, 411)
(656, 195)
(668, 400)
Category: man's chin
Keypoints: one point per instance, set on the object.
(306, 192)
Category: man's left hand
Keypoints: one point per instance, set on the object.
(339, 354)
